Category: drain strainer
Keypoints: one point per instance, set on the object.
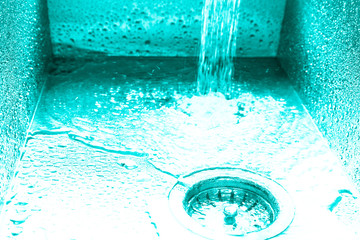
(231, 203)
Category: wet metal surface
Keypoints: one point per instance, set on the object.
(112, 137)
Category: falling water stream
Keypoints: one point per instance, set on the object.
(218, 46)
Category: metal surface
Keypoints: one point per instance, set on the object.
(155, 28)
(271, 207)
(111, 138)
(24, 55)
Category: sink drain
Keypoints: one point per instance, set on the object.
(231, 203)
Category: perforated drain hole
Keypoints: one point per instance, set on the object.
(231, 203)
(232, 210)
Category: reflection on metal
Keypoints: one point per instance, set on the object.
(231, 203)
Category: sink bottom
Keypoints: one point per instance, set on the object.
(111, 138)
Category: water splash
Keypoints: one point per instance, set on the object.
(218, 46)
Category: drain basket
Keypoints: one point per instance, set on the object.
(231, 203)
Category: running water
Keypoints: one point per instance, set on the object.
(218, 46)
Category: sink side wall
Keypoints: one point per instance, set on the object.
(320, 51)
(24, 52)
(155, 27)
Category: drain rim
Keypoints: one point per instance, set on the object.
(263, 186)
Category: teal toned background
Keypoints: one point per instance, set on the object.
(24, 53)
(320, 51)
(82, 28)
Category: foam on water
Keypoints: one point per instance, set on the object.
(166, 124)
(162, 119)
